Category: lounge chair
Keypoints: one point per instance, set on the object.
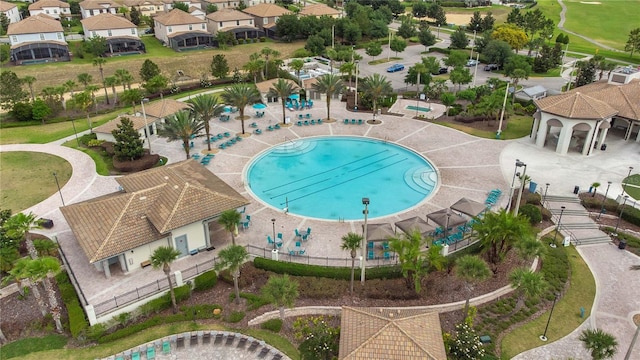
(299, 123)
(220, 136)
(238, 138)
(291, 252)
(353, 121)
(370, 245)
(151, 353)
(196, 156)
(254, 345)
(301, 252)
(279, 237)
(254, 125)
(227, 134)
(319, 121)
(298, 244)
(346, 121)
(222, 146)
(371, 255)
(360, 122)
(306, 122)
(276, 126)
(135, 355)
(313, 122)
(191, 144)
(269, 239)
(269, 128)
(387, 256)
(308, 116)
(385, 245)
(257, 131)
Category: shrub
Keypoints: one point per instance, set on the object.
(341, 273)
(77, 321)
(22, 111)
(95, 143)
(533, 198)
(84, 139)
(532, 212)
(631, 215)
(253, 301)
(96, 331)
(263, 39)
(301, 53)
(273, 325)
(206, 280)
(235, 316)
(546, 214)
(164, 302)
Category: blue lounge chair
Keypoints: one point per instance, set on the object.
(299, 123)
(279, 236)
(257, 131)
(276, 126)
(166, 347)
(269, 128)
(353, 121)
(222, 146)
(213, 139)
(301, 252)
(291, 252)
(346, 121)
(135, 355)
(220, 136)
(151, 353)
(269, 239)
(298, 244)
(196, 156)
(254, 125)
(306, 122)
(385, 245)
(370, 245)
(238, 138)
(308, 116)
(319, 121)
(119, 357)
(226, 134)
(387, 256)
(360, 122)
(371, 255)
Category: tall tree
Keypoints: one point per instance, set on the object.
(460, 76)
(348, 68)
(99, 62)
(448, 99)
(633, 42)
(407, 29)
(330, 85)
(398, 45)
(351, 242)
(128, 145)
(530, 285)
(180, 127)
(426, 37)
(517, 68)
(156, 84)
(85, 79)
(241, 95)
(219, 66)
(600, 344)
(459, 39)
(268, 53)
(18, 227)
(231, 258)
(29, 80)
(96, 46)
(230, 219)
(282, 89)
(297, 65)
(376, 86)
(281, 291)
(148, 70)
(70, 86)
(499, 231)
(163, 257)
(112, 82)
(373, 49)
(512, 35)
(419, 9)
(205, 107)
(586, 72)
(11, 90)
(124, 78)
(254, 66)
(132, 96)
(472, 270)
(134, 14)
(83, 101)
(414, 263)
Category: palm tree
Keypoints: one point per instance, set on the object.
(19, 273)
(83, 101)
(602, 345)
(99, 62)
(180, 127)
(232, 257)
(162, 257)
(498, 232)
(132, 97)
(124, 78)
(420, 69)
(348, 68)
(29, 80)
(530, 285)
(529, 248)
(282, 291)
(595, 187)
(204, 107)
(448, 99)
(351, 242)
(85, 79)
(70, 86)
(376, 86)
(414, 263)
(18, 226)
(38, 270)
(473, 270)
(112, 81)
(268, 52)
(297, 65)
(241, 95)
(329, 84)
(254, 66)
(229, 219)
(282, 89)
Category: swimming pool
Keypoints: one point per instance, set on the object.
(327, 177)
(419, 108)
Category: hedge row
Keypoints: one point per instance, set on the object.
(164, 302)
(205, 281)
(630, 214)
(77, 320)
(341, 273)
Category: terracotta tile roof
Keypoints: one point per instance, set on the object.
(48, 3)
(576, 105)
(130, 3)
(264, 86)
(624, 98)
(106, 128)
(6, 6)
(155, 202)
(98, 4)
(383, 333)
(40, 23)
(177, 17)
(165, 107)
(319, 10)
(106, 21)
(229, 15)
(266, 10)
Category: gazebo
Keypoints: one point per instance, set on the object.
(415, 223)
(469, 207)
(379, 232)
(446, 218)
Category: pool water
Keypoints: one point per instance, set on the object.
(327, 177)
(419, 108)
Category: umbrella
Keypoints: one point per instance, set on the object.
(446, 217)
(259, 106)
(227, 108)
(379, 232)
(414, 223)
(469, 207)
(294, 96)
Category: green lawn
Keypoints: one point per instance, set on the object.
(633, 191)
(30, 345)
(42, 134)
(104, 163)
(566, 315)
(517, 127)
(384, 60)
(24, 186)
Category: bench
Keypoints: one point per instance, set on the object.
(145, 263)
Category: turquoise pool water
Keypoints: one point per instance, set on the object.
(419, 108)
(327, 177)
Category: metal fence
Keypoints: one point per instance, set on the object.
(319, 260)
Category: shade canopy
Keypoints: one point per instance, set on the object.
(469, 207)
(259, 106)
(446, 217)
(294, 96)
(227, 108)
(415, 223)
(379, 232)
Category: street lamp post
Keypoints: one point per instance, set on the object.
(357, 68)
(474, 44)
(273, 222)
(513, 181)
(626, 179)
(544, 198)
(543, 337)
(504, 105)
(146, 126)
(55, 175)
(621, 212)
(522, 182)
(605, 199)
(447, 224)
(558, 224)
(365, 202)
(438, 31)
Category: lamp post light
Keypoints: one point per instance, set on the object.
(626, 179)
(621, 212)
(605, 199)
(558, 224)
(513, 181)
(522, 182)
(543, 337)
(146, 126)
(357, 68)
(273, 222)
(474, 43)
(365, 202)
(504, 106)
(544, 198)
(55, 176)
(447, 224)
(438, 31)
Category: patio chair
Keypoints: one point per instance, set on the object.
(291, 252)
(297, 233)
(248, 217)
(213, 139)
(222, 146)
(299, 123)
(258, 131)
(254, 125)
(301, 252)
(220, 136)
(269, 239)
(370, 245)
(305, 237)
(306, 122)
(385, 245)
(360, 122)
(238, 138)
(387, 256)
(319, 121)
(308, 116)
(371, 255)
(191, 144)
(166, 347)
(299, 116)
(227, 134)
(276, 126)
(151, 353)
(279, 244)
(269, 128)
(196, 156)
(313, 122)
(279, 237)
(135, 355)
(346, 121)
(245, 225)
(298, 243)
(353, 121)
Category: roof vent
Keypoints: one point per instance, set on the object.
(166, 177)
(176, 187)
(143, 198)
(390, 315)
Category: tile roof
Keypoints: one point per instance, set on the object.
(40, 23)
(576, 106)
(106, 21)
(624, 98)
(229, 15)
(319, 10)
(106, 128)
(130, 3)
(177, 17)
(264, 86)
(165, 107)
(266, 10)
(97, 4)
(154, 202)
(48, 3)
(384, 333)
(6, 6)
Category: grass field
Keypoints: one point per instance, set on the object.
(24, 186)
(517, 127)
(633, 191)
(42, 134)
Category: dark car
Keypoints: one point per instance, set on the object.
(395, 67)
(442, 70)
(491, 67)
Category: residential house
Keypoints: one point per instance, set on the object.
(146, 7)
(37, 39)
(175, 205)
(265, 16)
(179, 30)
(55, 8)
(241, 25)
(90, 8)
(10, 11)
(320, 10)
(121, 34)
(249, 3)
(222, 4)
(197, 12)
(168, 4)
(140, 124)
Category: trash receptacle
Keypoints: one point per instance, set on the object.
(603, 147)
(576, 189)
(622, 245)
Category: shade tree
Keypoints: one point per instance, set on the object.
(241, 95)
(162, 258)
(231, 258)
(180, 127)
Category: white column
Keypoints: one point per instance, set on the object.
(542, 133)
(534, 132)
(178, 275)
(603, 136)
(589, 141)
(564, 140)
(105, 267)
(91, 314)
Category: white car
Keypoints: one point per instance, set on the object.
(472, 63)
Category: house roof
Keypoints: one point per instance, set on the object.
(137, 121)
(6, 6)
(165, 107)
(48, 3)
(576, 105)
(98, 4)
(154, 202)
(624, 98)
(177, 17)
(534, 90)
(40, 23)
(264, 86)
(106, 21)
(229, 15)
(266, 10)
(384, 333)
(319, 10)
(130, 3)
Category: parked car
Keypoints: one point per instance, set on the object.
(395, 67)
(491, 67)
(442, 70)
(472, 63)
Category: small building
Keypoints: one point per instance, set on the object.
(532, 93)
(160, 110)
(140, 124)
(90, 8)
(264, 86)
(265, 16)
(121, 34)
(179, 30)
(146, 7)
(55, 8)
(10, 11)
(318, 10)
(241, 25)
(37, 39)
(222, 4)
